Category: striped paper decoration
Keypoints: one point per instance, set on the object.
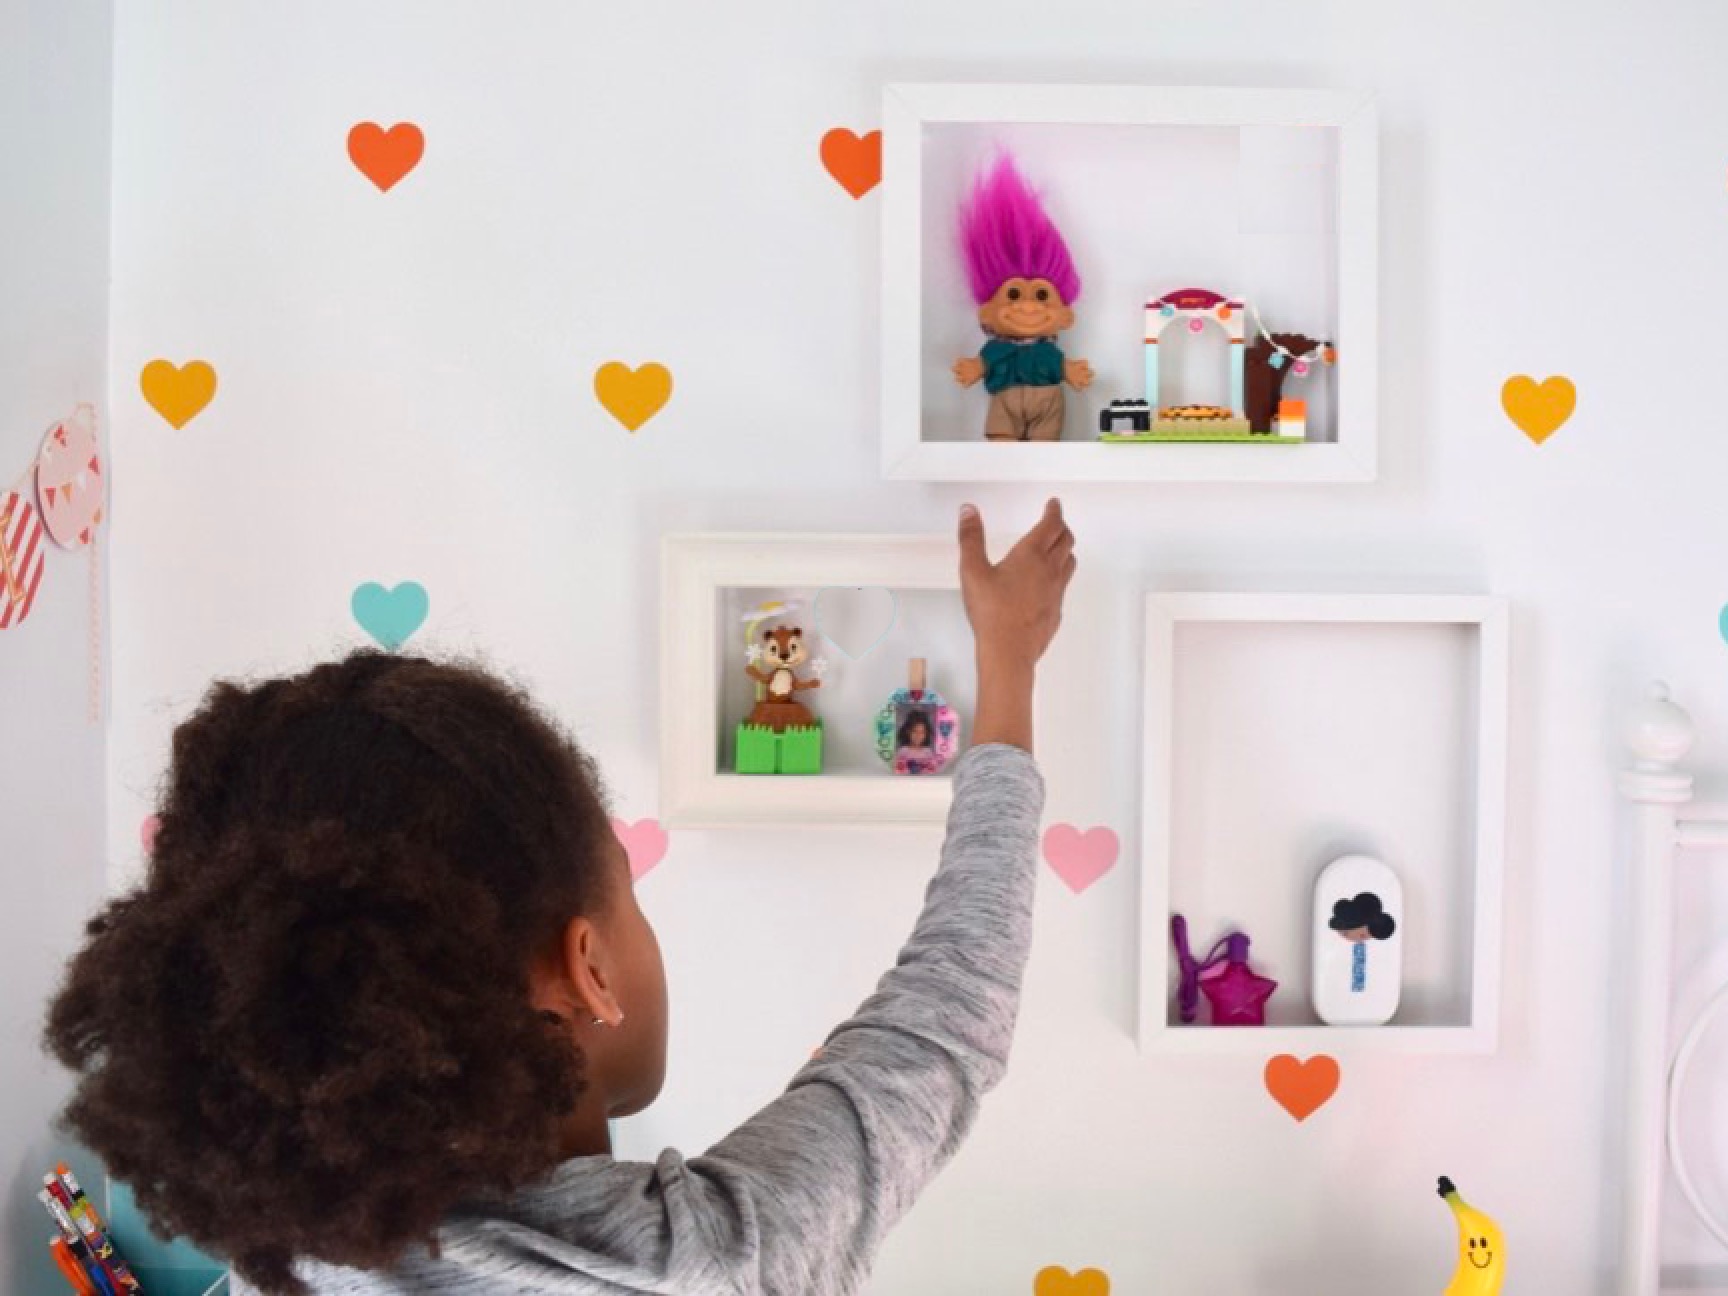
(21, 551)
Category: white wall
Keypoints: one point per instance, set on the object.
(55, 95)
(405, 393)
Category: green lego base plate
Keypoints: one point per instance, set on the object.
(1144, 438)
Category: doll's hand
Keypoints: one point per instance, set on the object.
(968, 370)
(1078, 374)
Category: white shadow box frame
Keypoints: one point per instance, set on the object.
(1302, 169)
(700, 665)
(1285, 730)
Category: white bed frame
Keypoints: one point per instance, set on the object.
(1666, 828)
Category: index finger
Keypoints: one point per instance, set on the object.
(1052, 528)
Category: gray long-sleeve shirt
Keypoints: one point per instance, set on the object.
(797, 1200)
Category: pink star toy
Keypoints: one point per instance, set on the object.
(1237, 993)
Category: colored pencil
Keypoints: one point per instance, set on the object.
(68, 1265)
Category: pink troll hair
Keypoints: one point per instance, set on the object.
(1006, 234)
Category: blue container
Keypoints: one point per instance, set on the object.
(164, 1267)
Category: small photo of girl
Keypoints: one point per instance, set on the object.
(916, 732)
(914, 752)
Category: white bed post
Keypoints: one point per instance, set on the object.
(1660, 734)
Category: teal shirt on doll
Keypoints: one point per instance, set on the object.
(1020, 364)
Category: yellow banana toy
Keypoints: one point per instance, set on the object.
(1481, 1267)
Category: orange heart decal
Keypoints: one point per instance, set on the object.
(1538, 409)
(633, 396)
(178, 394)
(1302, 1088)
(1057, 1281)
(385, 156)
(856, 163)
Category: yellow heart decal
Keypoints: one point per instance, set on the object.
(1057, 1281)
(1538, 408)
(178, 394)
(633, 396)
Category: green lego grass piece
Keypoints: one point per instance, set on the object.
(755, 753)
(759, 750)
(801, 750)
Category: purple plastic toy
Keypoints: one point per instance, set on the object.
(1236, 992)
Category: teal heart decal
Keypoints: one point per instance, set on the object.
(391, 616)
(855, 618)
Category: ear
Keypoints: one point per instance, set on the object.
(1065, 318)
(569, 980)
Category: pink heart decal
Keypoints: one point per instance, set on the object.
(1080, 858)
(147, 832)
(644, 842)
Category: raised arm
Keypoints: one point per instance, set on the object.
(799, 1198)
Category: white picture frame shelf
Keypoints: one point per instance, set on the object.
(1369, 683)
(696, 572)
(921, 445)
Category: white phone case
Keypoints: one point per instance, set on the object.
(1358, 942)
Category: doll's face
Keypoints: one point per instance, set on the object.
(1026, 308)
(918, 733)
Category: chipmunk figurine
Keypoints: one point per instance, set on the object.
(782, 651)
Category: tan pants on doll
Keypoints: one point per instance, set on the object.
(1025, 414)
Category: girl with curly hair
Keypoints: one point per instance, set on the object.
(361, 1028)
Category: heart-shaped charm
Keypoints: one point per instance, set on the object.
(178, 394)
(385, 156)
(1538, 409)
(390, 615)
(633, 396)
(1080, 858)
(644, 842)
(1302, 1088)
(855, 618)
(1054, 1280)
(854, 161)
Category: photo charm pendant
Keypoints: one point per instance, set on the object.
(916, 731)
(1358, 942)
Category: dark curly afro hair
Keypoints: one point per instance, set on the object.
(309, 1031)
